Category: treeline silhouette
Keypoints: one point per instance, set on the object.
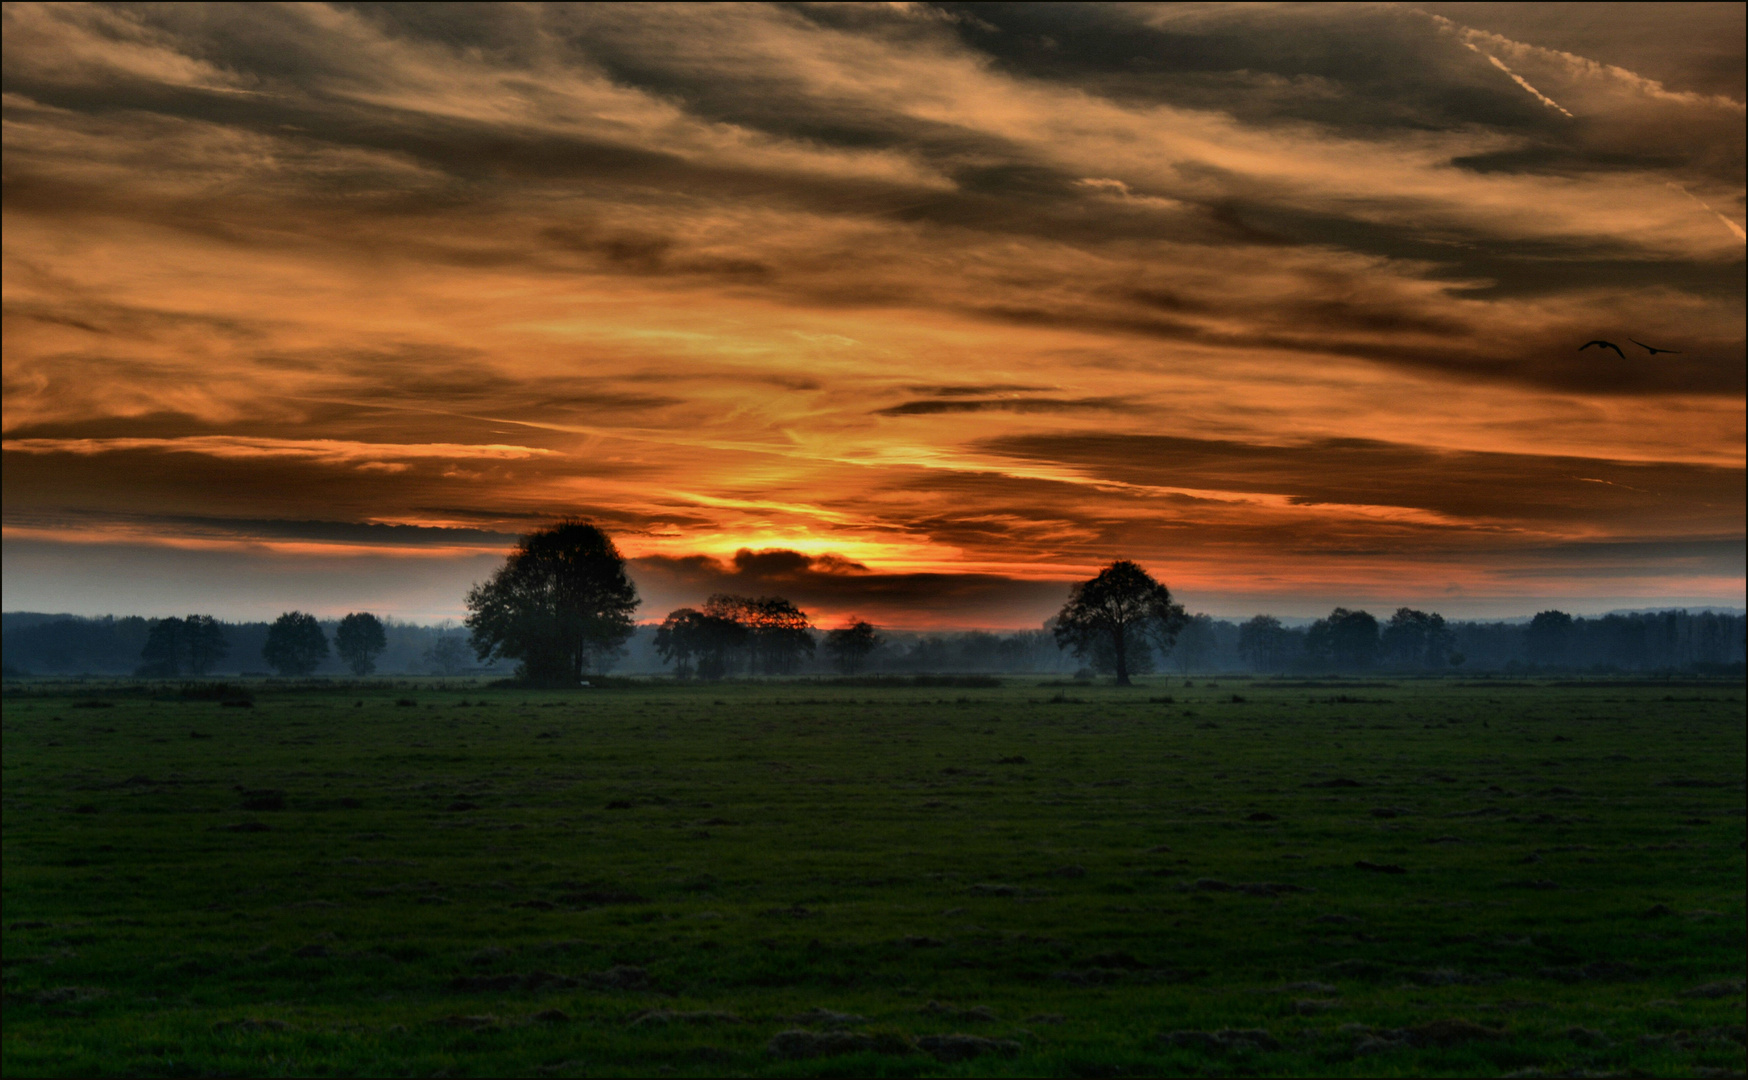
(42, 644)
(1346, 641)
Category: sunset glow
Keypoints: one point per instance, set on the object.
(905, 311)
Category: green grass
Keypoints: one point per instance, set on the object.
(864, 849)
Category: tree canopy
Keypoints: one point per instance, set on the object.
(1122, 610)
(295, 644)
(174, 645)
(1347, 639)
(359, 639)
(850, 645)
(768, 633)
(696, 642)
(1418, 639)
(560, 603)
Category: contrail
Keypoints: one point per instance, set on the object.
(1734, 228)
(1520, 80)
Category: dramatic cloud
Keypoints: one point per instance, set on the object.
(888, 308)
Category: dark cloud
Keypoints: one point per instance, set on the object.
(743, 271)
(928, 407)
(831, 584)
(1470, 486)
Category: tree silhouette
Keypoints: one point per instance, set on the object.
(295, 644)
(205, 642)
(1122, 603)
(162, 654)
(1265, 643)
(849, 646)
(1548, 636)
(688, 634)
(195, 643)
(560, 600)
(1418, 639)
(777, 632)
(1347, 639)
(359, 640)
(448, 654)
(1195, 643)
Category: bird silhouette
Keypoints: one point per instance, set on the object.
(1606, 345)
(1653, 350)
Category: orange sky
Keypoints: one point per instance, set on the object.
(922, 311)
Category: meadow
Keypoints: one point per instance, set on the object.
(1205, 877)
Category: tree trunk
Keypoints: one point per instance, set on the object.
(1120, 645)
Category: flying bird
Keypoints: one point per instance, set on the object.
(1653, 350)
(1606, 345)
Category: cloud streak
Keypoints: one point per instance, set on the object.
(999, 291)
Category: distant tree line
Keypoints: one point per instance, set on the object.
(561, 606)
(69, 645)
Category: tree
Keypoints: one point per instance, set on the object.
(1548, 636)
(777, 632)
(688, 634)
(1195, 643)
(561, 600)
(1347, 639)
(204, 640)
(782, 635)
(1418, 639)
(448, 654)
(295, 644)
(162, 654)
(1108, 610)
(359, 640)
(849, 646)
(1265, 643)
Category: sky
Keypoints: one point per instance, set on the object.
(917, 313)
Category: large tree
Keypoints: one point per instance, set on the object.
(1265, 643)
(689, 635)
(1547, 637)
(359, 640)
(205, 642)
(777, 632)
(1346, 639)
(163, 652)
(850, 645)
(295, 644)
(1418, 639)
(1123, 610)
(561, 600)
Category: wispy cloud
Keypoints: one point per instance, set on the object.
(999, 292)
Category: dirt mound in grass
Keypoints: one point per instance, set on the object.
(1726, 988)
(468, 1023)
(657, 1017)
(1222, 1041)
(599, 897)
(251, 1024)
(993, 889)
(950, 1048)
(620, 977)
(70, 995)
(1435, 1033)
(533, 980)
(797, 1044)
(822, 1017)
(1595, 971)
(981, 1013)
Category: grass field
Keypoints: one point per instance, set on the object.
(1235, 877)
